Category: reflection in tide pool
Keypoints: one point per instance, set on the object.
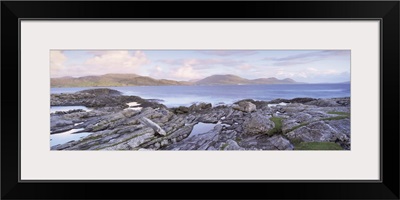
(203, 128)
(67, 136)
(54, 109)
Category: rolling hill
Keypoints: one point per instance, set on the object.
(110, 80)
(115, 80)
(230, 79)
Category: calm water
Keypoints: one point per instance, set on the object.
(204, 128)
(67, 136)
(187, 95)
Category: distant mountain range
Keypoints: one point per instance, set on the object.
(229, 79)
(109, 80)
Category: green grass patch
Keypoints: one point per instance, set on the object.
(335, 118)
(296, 127)
(342, 115)
(317, 146)
(278, 126)
(224, 146)
(339, 113)
(295, 141)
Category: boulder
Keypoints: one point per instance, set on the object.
(319, 131)
(200, 106)
(232, 145)
(153, 125)
(181, 110)
(244, 106)
(257, 124)
(281, 143)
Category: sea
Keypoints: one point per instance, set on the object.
(173, 96)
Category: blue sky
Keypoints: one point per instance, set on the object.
(300, 65)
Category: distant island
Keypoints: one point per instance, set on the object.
(110, 80)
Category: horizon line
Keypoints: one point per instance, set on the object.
(199, 78)
(169, 79)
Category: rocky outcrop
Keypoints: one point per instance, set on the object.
(242, 126)
(334, 102)
(295, 100)
(129, 130)
(199, 107)
(244, 106)
(257, 124)
(97, 98)
(181, 110)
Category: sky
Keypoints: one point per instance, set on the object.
(316, 66)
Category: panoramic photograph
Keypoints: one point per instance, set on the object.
(218, 100)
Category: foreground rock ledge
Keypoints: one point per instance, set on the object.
(245, 125)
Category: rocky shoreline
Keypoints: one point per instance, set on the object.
(119, 122)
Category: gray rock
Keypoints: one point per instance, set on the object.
(330, 102)
(140, 139)
(181, 110)
(143, 149)
(244, 106)
(341, 126)
(200, 107)
(257, 124)
(98, 98)
(164, 142)
(153, 125)
(281, 143)
(317, 132)
(211, 148)
(264, 142)
(232, 145)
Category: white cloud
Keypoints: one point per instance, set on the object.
(186, 71)
(286, 74)
(57, 61)
(100, 62)
(318, 72)
(245, 66)
(312, 75)
(230, 52)
(157, 72)
(117, 61)
(309, 57)
(202, 63)
(307, 73)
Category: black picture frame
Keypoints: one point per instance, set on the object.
(385, 11)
